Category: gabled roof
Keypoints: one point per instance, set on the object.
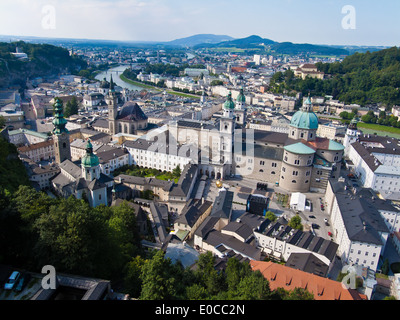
(131, 112)
(280, 276)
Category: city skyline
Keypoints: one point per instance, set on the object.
(307, 21)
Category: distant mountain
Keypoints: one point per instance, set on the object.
(258, 43)
(199, 39)
(243, 43)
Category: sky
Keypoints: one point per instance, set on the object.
(367, 22)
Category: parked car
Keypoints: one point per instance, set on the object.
(23, 281)
(311, 217)
(12, 280)
(315, 226)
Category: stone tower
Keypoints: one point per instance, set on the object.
(111, 101)
(60, 134)
(241, 110)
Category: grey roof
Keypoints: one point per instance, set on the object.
(100, 123)
(185, 181)
(254, 221)
(264, 152)
(165, 185)
(240, 229)
(71, 168)
(193, 211)
(106, 156)
(216, 239)
(372, 162)
(263, 137)
(207, 225)
(305, 240)
(387, 145)
(362, 220)
(222, 207)
(131, 112)
(156, 210)
(307, 262)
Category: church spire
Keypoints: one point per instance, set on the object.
(112, 88)
(59, 122)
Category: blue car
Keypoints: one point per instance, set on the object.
(23, 281)
(12, 280)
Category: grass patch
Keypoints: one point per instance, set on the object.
(145, 172)
(378, 127)
(146, 86)
(138, 84)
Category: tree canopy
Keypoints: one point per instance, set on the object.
(362, 78)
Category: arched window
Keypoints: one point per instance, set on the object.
(261, 170)
(273, 172)
(294, 181)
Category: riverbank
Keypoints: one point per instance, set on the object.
(146, 86)
(371, 128)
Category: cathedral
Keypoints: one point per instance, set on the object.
(298, 161)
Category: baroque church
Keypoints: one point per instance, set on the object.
(128, 119)
(84, 180)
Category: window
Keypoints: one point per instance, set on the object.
(273, 164)
(294, 181)
(296, 161)
(262, 163)
(272, 172)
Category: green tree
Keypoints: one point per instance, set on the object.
(156, 281)
(132, 278)
(71, 107)
(2, 122)
(385, 266)
(295, 223)
(176, 173)
(254, 287)
(270, 216)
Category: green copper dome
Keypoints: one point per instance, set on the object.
(229, 104)
(241, 98)
(90, 159)
(305, 118)
(59, 122)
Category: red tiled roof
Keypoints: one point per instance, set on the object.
(280, 276)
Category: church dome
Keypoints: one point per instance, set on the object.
(241, 97)
(229, 104)
(90, 159)
(305, 118)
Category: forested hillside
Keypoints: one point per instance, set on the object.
(362, 78)
(43, 60)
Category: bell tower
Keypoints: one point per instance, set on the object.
(60, 134)
(227, 122)
(111, 101)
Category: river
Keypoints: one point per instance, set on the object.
(116, 72)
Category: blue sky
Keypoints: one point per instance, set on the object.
(299, 21)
